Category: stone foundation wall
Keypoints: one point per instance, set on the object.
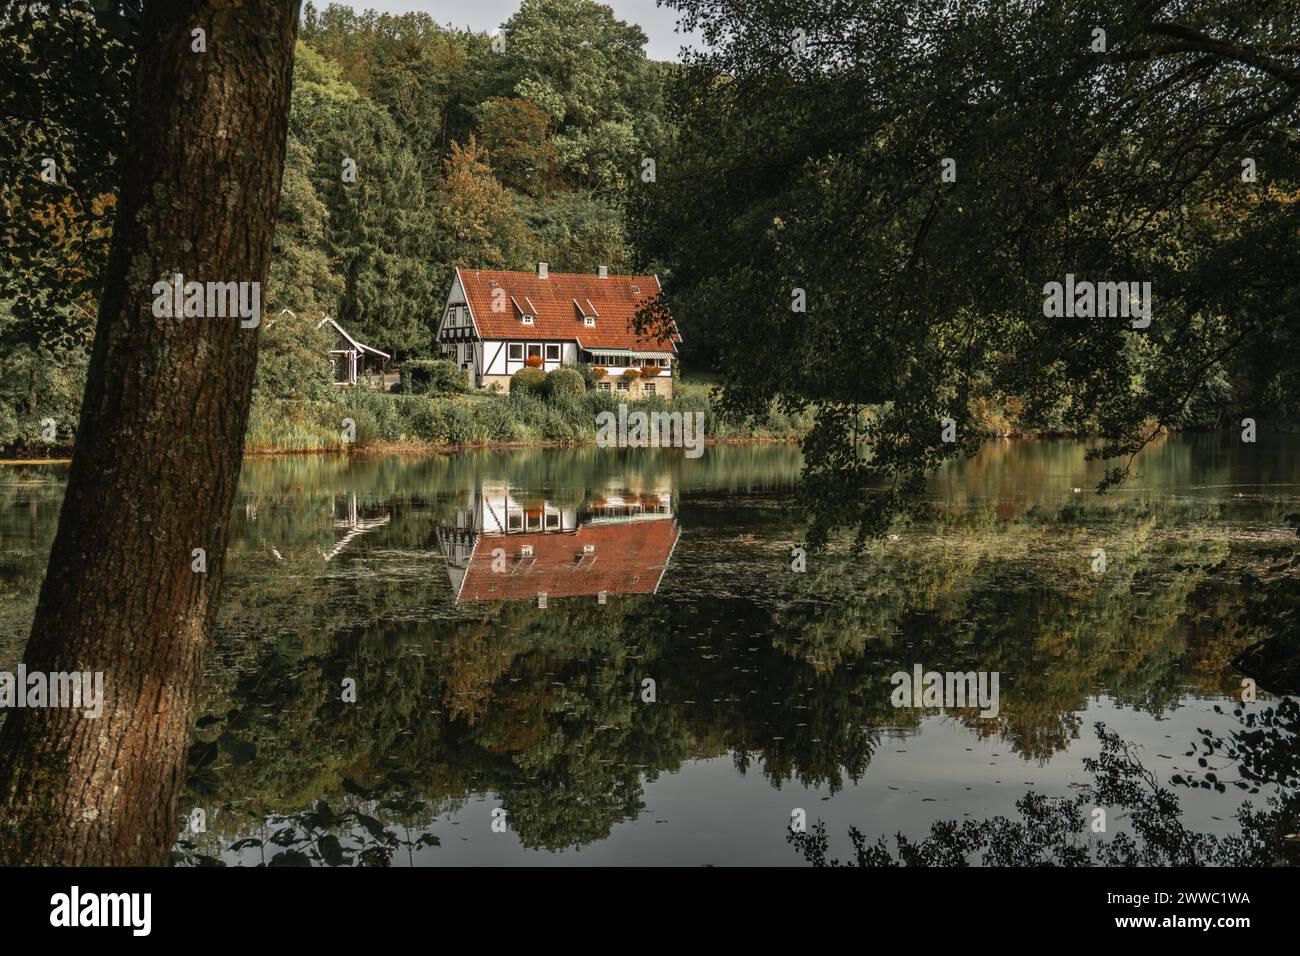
(663, 385)
(503, 380)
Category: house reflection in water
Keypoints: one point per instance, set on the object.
(353, 521)
(509, 545)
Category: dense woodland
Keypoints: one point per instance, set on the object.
(465, 153)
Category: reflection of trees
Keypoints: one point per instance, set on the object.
(1264, 752)
(1056, 831)
(29, 514)
(787, 672)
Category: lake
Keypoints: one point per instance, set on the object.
(604, 656)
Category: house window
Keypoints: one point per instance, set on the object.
(515, 351)
(526, 319)
(552, 521)
(534, 349)
(648, 388)
(552, 353)
(589, 322)
(663, 363)
(602, 386)
(514, 521)
(623, 387)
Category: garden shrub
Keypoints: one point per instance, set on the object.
(564, 381)
(431, 377)
(528, 380)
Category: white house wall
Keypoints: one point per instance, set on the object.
(501, 513)
(499, 362)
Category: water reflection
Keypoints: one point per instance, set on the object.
(510, 544)
(772, 686)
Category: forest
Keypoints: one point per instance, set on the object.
(461, 149)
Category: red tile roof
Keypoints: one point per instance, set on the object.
(630, 558)
(613, 300)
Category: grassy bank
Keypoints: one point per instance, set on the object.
(394, 422)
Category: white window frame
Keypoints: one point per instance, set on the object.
(513, 345)
(546, 355)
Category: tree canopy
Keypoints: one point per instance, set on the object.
(884, 191)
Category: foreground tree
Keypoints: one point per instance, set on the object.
(159, 446)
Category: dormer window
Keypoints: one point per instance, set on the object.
(525, 309)
(587, 312)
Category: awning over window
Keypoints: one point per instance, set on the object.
(633, 353)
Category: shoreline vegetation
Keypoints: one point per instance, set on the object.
(556, 410)
(415, 447)
(394, 424)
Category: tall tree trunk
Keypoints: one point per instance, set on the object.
(158, 451)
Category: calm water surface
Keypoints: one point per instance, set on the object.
(419, 580)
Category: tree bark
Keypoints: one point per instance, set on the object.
(158, 450)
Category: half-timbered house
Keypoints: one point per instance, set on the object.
(496, 322)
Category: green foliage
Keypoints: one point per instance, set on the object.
(431, 377)
(293, 359)
(381, 228)
(301, 278)
(822, 172)
(38, 383)
(493, 422)
(64, 97)
(563, 381)
(579, 231)
(452, 422)
(463, 157)
(290, 426)
(527, 380)
(574, 60)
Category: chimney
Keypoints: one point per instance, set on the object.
(541, 270)
(603, 272)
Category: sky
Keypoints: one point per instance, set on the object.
(658, 23)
